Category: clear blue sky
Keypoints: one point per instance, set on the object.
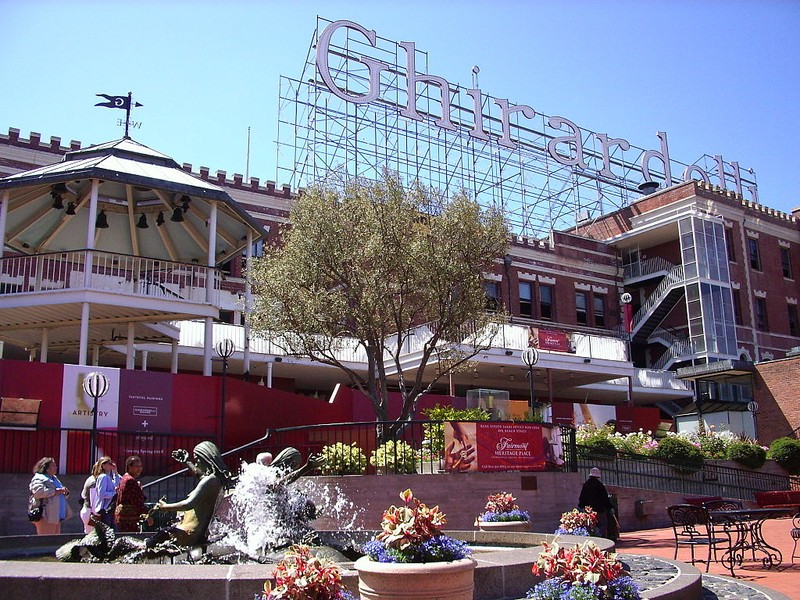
(720, 77)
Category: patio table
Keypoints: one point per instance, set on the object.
(744, 526)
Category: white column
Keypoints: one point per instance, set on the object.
(144, 360)
(96, 355)
(45, 342)
(212, 252)
(174, 365)
(3, 220)
(90, 229)
(84, 345)
(208, 345)
(269, 374)
(130, 351)
(248, 299)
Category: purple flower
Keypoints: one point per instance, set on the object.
(511, 515)
(440, 548)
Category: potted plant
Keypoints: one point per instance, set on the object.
(413, 555)
(578, 522)
(343, 459)
(301, 576)
(501, 513)
(394, 457)
(582, 572)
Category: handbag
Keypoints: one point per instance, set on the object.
(34, 509)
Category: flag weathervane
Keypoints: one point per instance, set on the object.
(123, 102)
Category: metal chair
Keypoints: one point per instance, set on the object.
(692, 528)
(723, 528)
(795, 533)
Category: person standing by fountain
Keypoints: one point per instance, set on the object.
(130, 498)
(89, 497)
(106, 488)
(594, 494)
(45, 486)
(199, 506)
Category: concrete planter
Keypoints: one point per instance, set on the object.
(415, 581)
(503, 525)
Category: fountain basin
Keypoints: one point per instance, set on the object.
(504, 572)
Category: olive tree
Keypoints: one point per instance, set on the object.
(377, 268)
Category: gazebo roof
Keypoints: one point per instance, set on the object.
(135, 181)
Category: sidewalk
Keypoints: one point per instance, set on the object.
(784, 578)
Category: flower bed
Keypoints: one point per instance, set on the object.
(578, 522)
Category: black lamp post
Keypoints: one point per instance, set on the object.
(530, 356)
(95, 384)
(224, 350)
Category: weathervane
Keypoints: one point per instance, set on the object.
(123, 102)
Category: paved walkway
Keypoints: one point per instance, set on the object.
(784, 578)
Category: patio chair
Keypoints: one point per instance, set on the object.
(795, 533)
(719, 529)
(692, 528)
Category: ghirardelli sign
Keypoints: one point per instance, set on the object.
(564, 141)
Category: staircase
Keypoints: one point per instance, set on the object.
(658, 305)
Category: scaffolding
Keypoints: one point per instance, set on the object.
(322, 136)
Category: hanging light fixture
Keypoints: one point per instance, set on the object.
(57, 192)
(160, 219)
(142, 223)
(177, 215)
(102, 220)
(70, 208)
(185, 203)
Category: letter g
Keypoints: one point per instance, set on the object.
(373, 66)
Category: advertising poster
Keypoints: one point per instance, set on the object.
(145, 401)
(493, 446)
(549, 339)
(76, 405)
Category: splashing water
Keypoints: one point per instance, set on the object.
(262, 514)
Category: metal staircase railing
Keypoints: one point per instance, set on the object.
(673, 278)
(648, 266)
(680, 349)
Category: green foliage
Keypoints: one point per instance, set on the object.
(680, 453)
(786, 452)
(363, 264)
(440, 413)
(394, 457)
(341, 459)
(747, 453)
(596, 443)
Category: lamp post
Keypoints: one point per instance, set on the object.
(530, 356)
(224, 349)
(95, 384)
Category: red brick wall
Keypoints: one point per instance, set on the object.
(775, 390)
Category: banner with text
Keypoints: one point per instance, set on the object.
(145, 401)
(494, 446)
(77, 405)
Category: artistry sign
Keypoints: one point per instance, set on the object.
(362, 80)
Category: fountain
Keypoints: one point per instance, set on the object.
(268, 508)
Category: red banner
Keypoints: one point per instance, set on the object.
(549, 339)
(493, 446)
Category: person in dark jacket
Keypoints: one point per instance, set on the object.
(594, 494)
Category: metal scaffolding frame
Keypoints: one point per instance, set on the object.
(321, 136)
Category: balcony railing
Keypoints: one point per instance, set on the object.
(121, 273)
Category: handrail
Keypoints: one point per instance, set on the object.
(648, 266)
(679, 349)
(673, 278)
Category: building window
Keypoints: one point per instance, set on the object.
(599, 311)
(580, 308)
(786, 263)
(737, 308)
(546, 302)
(762, 324)
(794, 324)
(755, 255)
(525, 298)
(492, 289)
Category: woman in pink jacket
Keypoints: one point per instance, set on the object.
(46, 487)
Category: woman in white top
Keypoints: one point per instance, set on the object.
(89, 496)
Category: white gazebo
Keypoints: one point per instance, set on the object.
(115, 242)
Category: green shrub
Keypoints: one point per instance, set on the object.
(681, 454)
(394, 457)
(435, 431)
(341, 459)
(786, 452)
(747, 454)
(599, 448)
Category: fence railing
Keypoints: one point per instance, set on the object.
(20, 449)
(122, 273)
(644, 472)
